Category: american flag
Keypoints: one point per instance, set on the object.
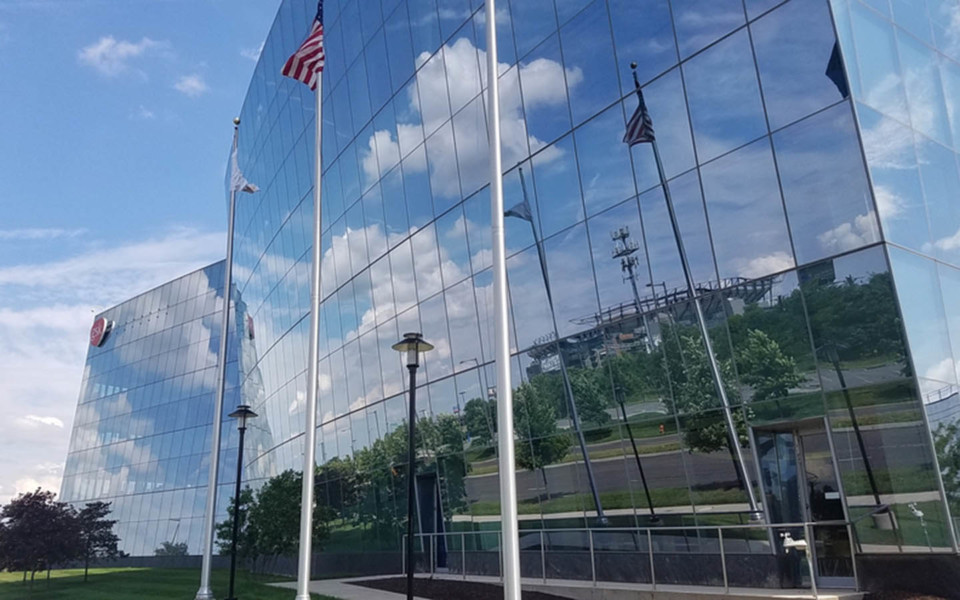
(640, 126)
(306, 64)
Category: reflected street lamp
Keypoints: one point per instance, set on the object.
(242, 413)
(413, 344)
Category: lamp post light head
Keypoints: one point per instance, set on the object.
(413, 344)
(242, 413)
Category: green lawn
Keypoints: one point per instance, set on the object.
(133, 584)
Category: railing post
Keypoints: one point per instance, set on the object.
(593, 560)
(853, 556)
(403, 555)
(653, 574)
(543, 556)
(433, 552)
(500, 553)
(807, 532)
(723, 561)
(463, 554)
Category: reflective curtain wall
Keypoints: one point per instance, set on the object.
(141, 436)
(903, 62)
(762, 152)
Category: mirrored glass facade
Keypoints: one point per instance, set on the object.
(808, 149)
(142, 432)
(790, 158)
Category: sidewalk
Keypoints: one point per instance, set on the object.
(343, 590)
(583, 590)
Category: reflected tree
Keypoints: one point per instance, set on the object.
(947, 444)
(246, 540)
(480, 421)
(537, 418)
(171, 549)
(765, 368)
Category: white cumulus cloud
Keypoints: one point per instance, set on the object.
(454, 78)
(112, 57)
(191, 85)
(46, 309)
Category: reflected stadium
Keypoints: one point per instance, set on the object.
(809, 149)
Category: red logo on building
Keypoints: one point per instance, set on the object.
(98, 333)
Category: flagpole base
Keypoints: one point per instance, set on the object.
(204, 593)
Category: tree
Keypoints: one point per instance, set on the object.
(37, 532)
(537, 418)
(480, 421)
(171, 549)
(246, 536)
(97, 539)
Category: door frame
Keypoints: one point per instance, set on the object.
(797, 428)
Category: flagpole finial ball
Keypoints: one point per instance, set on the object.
(236, 120)
(633, 65)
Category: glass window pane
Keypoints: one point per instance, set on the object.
(642, 32)
(921, 79)
(825, 185)
(878, 64)
(793, 45)
(724, 97)
(745, 183)
(700, 22)
(588, 49)
(896, 179)
(604, 167)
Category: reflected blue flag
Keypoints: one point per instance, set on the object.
(835, 71)
(520, 210)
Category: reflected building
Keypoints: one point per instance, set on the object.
(142, 432)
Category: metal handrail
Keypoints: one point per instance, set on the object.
(806, 527)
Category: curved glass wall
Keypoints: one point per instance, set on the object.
(762, 154)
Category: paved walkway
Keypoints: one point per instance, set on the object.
(345, 589)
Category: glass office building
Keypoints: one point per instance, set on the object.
(142, 432)
(808, 147)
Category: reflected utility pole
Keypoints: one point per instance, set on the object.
(624, 248)
(640, 131)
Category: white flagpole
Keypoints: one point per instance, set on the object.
(508, 480)
(205, 593)
(310, 433)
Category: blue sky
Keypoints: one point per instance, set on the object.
(115, 129)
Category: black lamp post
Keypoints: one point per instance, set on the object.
(242, 413)
(413, 345)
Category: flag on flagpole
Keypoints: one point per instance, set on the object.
(640, 126)
(306, 64)
(239, 183)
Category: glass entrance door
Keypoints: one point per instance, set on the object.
(800, 485)
(823, 504)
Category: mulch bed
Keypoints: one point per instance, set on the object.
(894, 595)
(444, 589)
